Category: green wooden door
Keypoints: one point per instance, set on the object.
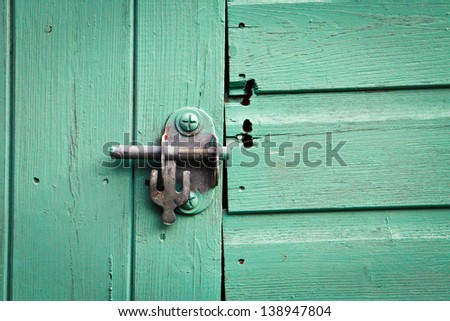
(349, 199)
(79, 75)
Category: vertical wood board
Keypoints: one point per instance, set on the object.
(72, 215)
(4, 142)
(179, 62)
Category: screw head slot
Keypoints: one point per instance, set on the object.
(188, 121)
(196, 203)
(192, 202)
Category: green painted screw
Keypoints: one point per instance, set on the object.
(189, 122)
(191, 202)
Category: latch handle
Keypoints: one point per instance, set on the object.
(169, 199)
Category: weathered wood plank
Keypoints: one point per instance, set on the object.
(397, 151)
(343, 44)
(180, 62)
(247, 2)
(380, 255)
(4, 142)
(72, 216)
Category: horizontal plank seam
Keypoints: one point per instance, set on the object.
(345, 90)
(342, 209)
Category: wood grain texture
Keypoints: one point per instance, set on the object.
(342, 44)
(247, 2)
(72, 216)
(4, 142)
(397, 151)
(180, 62)
(380, 255)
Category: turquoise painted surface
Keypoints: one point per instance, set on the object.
(339, 44)
(395, 151)
(4, 142)
(179, 62)
(72, 94)
(85, 75)
(85, 232)
(378, 255)
(377, 228)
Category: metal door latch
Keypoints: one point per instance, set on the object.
(189, 156)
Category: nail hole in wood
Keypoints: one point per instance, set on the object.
(36, 180)
(248, 92)
(241, 25)
(241, 188)
(247, 140)
(241, 261)
(247, 126)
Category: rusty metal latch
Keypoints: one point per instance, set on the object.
(189, 156)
